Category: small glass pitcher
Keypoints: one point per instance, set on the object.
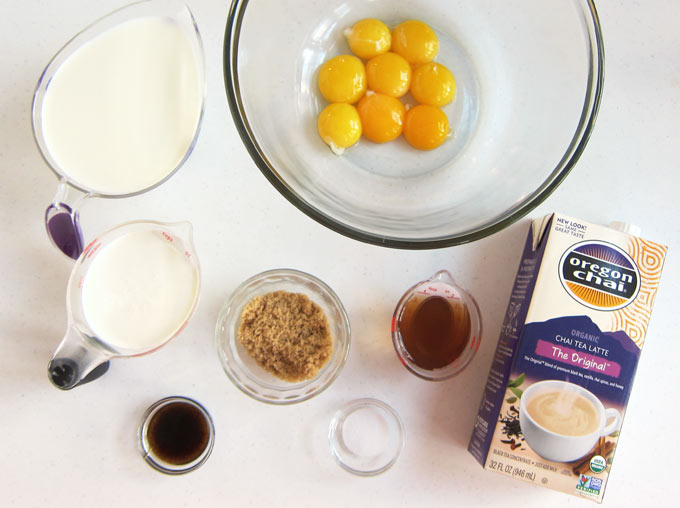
(61, 216)
(83, 355)
(436, 328)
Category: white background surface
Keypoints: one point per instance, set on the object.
(78, 448)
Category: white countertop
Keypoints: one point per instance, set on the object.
(79, 448)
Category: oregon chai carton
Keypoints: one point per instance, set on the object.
(569, 346)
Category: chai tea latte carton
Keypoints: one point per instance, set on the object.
(564, 365)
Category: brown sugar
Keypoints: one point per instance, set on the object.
(287, 334)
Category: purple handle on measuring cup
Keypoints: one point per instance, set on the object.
(61, 222)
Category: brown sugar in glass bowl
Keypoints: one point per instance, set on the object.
(266, 366)
(287, 334)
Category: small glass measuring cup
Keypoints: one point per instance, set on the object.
(83, 354)
(436, 328)
(62, 216)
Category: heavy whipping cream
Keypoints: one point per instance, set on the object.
(139, 291)
(121, 112)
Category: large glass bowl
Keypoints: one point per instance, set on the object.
(529, 75)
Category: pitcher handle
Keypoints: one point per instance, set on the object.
(77, 361)
(62, 222)
(63, 372)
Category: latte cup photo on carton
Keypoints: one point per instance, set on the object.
(562, 421)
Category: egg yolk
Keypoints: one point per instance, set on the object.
(425, 127)
(342, 79)
(368, 38)
(433, 84)
(388, 74)
(382, 117)
(339, 126)
(415, 41)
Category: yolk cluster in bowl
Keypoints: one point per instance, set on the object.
(396, 62)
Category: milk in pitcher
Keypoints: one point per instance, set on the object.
(120, 114)
(139, 291)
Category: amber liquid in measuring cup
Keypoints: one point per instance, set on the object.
(435, 330)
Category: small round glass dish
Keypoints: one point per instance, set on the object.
(529, 78)
(176, 435)
(245, 372)
(366, 437)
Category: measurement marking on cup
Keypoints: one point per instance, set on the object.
(92, 249)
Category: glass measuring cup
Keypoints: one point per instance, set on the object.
(109, 134)
(436, 328)
(138, 258)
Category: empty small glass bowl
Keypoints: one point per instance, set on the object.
(366, 437)
(529, 81)
(245, 372)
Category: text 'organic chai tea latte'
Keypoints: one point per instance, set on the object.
(564, 365)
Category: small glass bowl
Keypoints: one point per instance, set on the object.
(366, 437)
(244, 371)
(157, 462)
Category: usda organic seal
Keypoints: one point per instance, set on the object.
(598, 464)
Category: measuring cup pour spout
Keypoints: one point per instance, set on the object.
(444, 276)
(76, 361)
